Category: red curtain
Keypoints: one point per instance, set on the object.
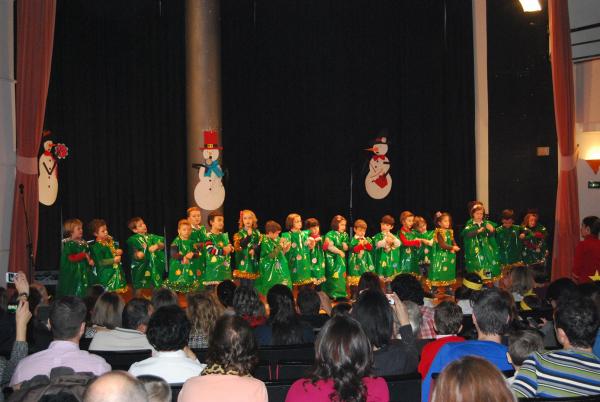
(566, 229)
(35, 37)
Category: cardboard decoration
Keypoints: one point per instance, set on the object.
(378, 182)
(210, 192)
(48, 169)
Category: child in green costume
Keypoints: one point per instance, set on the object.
(245, 243)
(533, 236)
(481, 253)
(335, 246)
(75, 262)
(218, 251)
(510, 247)
(184, 260)
(317, 255)
(424, 252)
(147, 256)
(299, 254)
(409, 247)
(273, 262)
(360, 260)
(443, 261)
(386, 250)
(107, 258)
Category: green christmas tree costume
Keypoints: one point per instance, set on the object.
(110, 274)
(442, 271)
(183, 277)
(317, 260)
(424, 254)
(246, 264)
(146, 272)
(273, 266)
(74, 269)
(510, 247)
(299, 257)
(199, 235)
(335, 264)
(535, 249)
(360, 260)
(409, 249)
(218, 265)
(387, 258)
(481, 253)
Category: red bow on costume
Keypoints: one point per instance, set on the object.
(375, 157)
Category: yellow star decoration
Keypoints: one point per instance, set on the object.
(595, 277)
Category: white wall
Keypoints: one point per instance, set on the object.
(7, 130)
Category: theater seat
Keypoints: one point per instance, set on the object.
(175, 389)
(123, 359)
(404, 388)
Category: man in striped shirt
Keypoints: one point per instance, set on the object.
(572, 371)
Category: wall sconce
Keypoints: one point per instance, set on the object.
(589, 148)
(530, 6)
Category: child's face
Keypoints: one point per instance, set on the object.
(247, 220)
(585, 230)
(297, 223)
(445, 223)
(140, 227)
(360, 232)
(507, 223)
(315, 230)
(421, 227)
(101, 233)
(77, 232)
(532, 221)
(408, 222)
(385, 227)
(184, 231)
(195, 218)
(273, 235)
(478, 215)
(217, 223)
(342, 226)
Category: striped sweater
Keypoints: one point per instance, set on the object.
(560, 373)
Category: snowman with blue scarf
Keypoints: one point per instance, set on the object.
(209, 192)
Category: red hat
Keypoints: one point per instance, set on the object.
(211, 140)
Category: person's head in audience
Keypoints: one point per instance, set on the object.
(308, 301)
(447, 318)
(576, 322)
(157, 389)
(472, 284)
(168, 329)
(471, 378)
(232, 346)
(372, 310)
(284, 321)
(342, 308)
(343, 354)
(539, 274)
(407, 287)
(521, 280)
(35, 300)
(246, 302)
(67, 319)
(163, 297)
(587, 225)
(559, 287)
(202, 312)
(45, 297)
(93, 293)
(369, 280)
(108, 310)
(225, 292)
(136, 314)
(521, 344)
(116, 386)
(414, 316)
(491, 313)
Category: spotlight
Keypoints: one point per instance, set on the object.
(530, 6)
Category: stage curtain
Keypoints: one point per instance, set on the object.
(566, 230)
(35, 36)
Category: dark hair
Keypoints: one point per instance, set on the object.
(335, 222)
(342, 308)
(369, 280)
(247, 303)
(272, 227)
(492, 311)
(539, 273)
(448, 318)
(595, 230)
(388, 219)
(577, 316)
(372, 310)
(343, 354)
(407, 287)
(62, 396)
(287, 329)
(108, 310)
(168, 329)
(521, 279)
(507, 214)
(589, 221)
(213, 215)
(35, 298)
(132, 223)
(311, 223)
(158, 390)
(96, 224)
(3, 299)
(465, 293)
(136, 313)
(558, 287)
(162, 297)
(308, 301)
(66, 316)
(232, 345)
(523, 343)
(440, 216)
(225, 291)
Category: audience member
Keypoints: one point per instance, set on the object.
(376, 316)
(39, 335)
(107, 313)
(19, 349)
(62, 382)
(573, 370)
(225, 292)
(539, 274)
(369, 280)
(341, 308)
(342, 370)
(132, 334)
(414, 317)
(93, 293)
(247, 305)
(67, 320)
(471, 286)
(447, 322)
(587, 253)
(203, 312)
(491, 314)
(520, 345)
(521, 282)
(471, 378)
(116, 386)
(559, 287)
(407, 287)
(168, 333)
(162, 297)
(309, 306)
(231, 358)
(283, 326)
(158, 390)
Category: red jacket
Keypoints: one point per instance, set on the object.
(430, 350)
(587, 259)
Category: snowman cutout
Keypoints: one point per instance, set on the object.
(209, 192)
(378, 182)
(48, 175)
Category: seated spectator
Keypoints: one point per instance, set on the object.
(158, 390)
(539, 274)
(407, 287)
(491, 314)
(341, 308)
(573, 370)
(107, 313)
(116, 386)
(587, 252)
(203, 312)
(225, 292)
(231, 358)
(39, 335)
(342, 369)
(471, 378)
(168, 333)
(283, 326)
(521, 282)
(163, 297)
(471, 285)
(67, 320)
(447, 322)
(558, 288)
(520, 345)
(369, 280)
(93, 293)
(247, 305)
(63, 384)
(132, 334)
(376, 316)
(19, 349)
(414, 317)
(309, 306)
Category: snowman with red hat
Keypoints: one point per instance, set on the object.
(209, 192)
(378, 182)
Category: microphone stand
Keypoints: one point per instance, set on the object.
(29, 245)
